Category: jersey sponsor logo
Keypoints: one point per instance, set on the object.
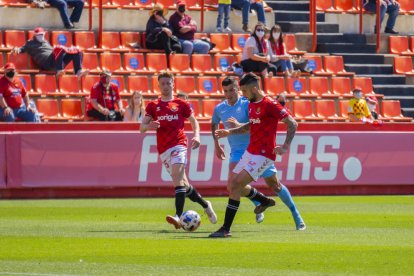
(258, 110)
(254, 121)
(173, 107)
(168, 118)
(15, 92)
(283, 111)
(158, 108)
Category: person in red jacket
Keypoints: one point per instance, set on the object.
(14, 101)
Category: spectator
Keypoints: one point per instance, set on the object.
(158, 32)
(392, 7)
(104, 96)
(183, 96)
(358, 109)
(184, 28)
(372, 106)
(254, 56)
(49, 58)
(246, 6)
(277, 52)
(135, 110)
(14, 100)
(223, 11)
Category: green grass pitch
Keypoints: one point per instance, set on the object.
(345, 236)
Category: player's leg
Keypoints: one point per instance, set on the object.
(271, 179)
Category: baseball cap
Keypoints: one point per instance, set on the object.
(105, 73)
(9, 66)
(39, 30)
(181, 3)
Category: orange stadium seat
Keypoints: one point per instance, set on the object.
(154, 85)
(46, 85)
(139, 83)
(412, 43)
(274, 86)
(297, 86)
(88, 82)
(195, 106)
(208, 107)
(320, 86)
(156, 62)
(134, 62)
(69, 84)
(223, 62)
(90, 62)
(63, 38)
(185, 84)
(344, 6)
(208, 85)
(399, 46)
(341, 86)
(72, 109)
(112, 62)
(15, 3)
(222, 42)
(21, 61)
(315, 64)
(170, 4)
(120, 82)
(326, 109)
(406, 6)
(27, 82)
(193, 4)
(130, 37)
(365, 83)
(290, 42)
(180, 63)
(49, 108)
(391, 110)
(335, 65)
(302, 110)
(124, 4)
(106, 4)
(404, 66)
(14, 39)
(343, 109)
(111, 41)
(85, 40)
(143, 4)
(238, 41)
(324, 5)
(202, 64)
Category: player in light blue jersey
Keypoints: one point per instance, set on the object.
(232, 111)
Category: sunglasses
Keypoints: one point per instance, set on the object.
(260, 30)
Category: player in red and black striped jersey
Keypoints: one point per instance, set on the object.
(167, 116)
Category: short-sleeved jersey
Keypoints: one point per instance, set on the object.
(105, 97)
(359, 108)
(264, 117)
(13, 92)
(223, 111)
(171, 116)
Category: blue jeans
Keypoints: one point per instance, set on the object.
(223, 9)
(197, 46)
(283, 65)
(246, 6)
(392, 11)
(62, 6)
(21, 113)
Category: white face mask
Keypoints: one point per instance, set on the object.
(358, 95)
(276, 35)
(40, 38)
(260, 34)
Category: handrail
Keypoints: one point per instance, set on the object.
(100, 29)
(90, 15)
(312, 24)
(378, 26)
(202, 16)
(361, 15)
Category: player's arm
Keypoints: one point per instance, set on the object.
(195, 142)
(221, 133)
(218, 148)
(292, 126)
(148, 124)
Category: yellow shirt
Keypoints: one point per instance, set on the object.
(359, 108)
(226, 2)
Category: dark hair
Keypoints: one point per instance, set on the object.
(165, 74)
(258, 42)
(249, 78)
(271, 39)
(183, 95)
(228, 81)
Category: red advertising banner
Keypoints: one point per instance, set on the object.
(129, 159)
(2, 161)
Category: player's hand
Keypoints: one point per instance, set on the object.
(233, 123)
(221, 133)
(195, 142)
(30, 109)
(153, 125)
(122, 111)
(7, 111)
(15, 50)
(280, 150)
(220, 152)
(105, 111)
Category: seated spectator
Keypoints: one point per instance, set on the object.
(104, 98)
(358, 109)
(184, 28)
(223, 11)
(14, 100)
(62, 6)
(255, 56)
(372, 106)
(392, 7)
(158, 32)
(246, 6)
(135, 110)
(277, 52)
(49, 58)
(183, 96)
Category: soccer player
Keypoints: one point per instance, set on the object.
(166, 116)
(264, 115)
(231, 112)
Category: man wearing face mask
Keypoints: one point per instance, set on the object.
(246, 6)
(49, 58)
(184, 27)
(358, 109)
(12, 96)
(104, 95)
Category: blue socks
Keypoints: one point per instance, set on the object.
(285, 196)
(256, 203)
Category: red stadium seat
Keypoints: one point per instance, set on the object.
(180, 63)
(15, 3)
(130, 37)
(120, 82)
(143, 4)
(399, 46)
(69, 84)
(335, 65)
(86, 41)
(320, 86)
(124, 4)
(14, 39)
(193, 5)
(170, 4)
(27, 82)
(238, 41)
(290, 42)
(72, 109)
(403, 66)
(391, 110)
(342, 86)
(302, 110)
(49, 108)
(344, 6)
(406, 6)
(365, 83)
(324, 5)
(156, 62)
(315, 64)
(21, 61)
(111, 41)
(154, 85)
(208, 85)
(139, 83)
(90, 62)
(274, 86)
(222, 42)
(46, 85)
(88, 82)
(208, 107)
(326, 109)
(134, 62)
(112, 62)
(412, 43)
(195, 106)
(223, 62)
(63, 38)
(297, 86)
(202, 64)
(185, 84)
(343, 109)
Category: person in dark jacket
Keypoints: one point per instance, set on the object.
(158, 32)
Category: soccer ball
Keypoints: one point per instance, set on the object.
(190, 220)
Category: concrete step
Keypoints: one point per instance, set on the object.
(386, 79)
(370, 69)
(303, 16)
(394, 90)
(342, 38)
(362, 58)
(303, 27)
(289, 5)
(408, 112)
(405, 101)
(345, 48)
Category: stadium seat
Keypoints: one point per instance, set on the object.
(193, 5)
(195, 106)
(185, 84)
(154, 85)
(399, 46)
(106, 4)
(15, 3)
(365, 83)
(238, 41)
(315, 64)
(72, 109)
(342, 86)
(302, 110)
(297, 86)
(403, 66)
(143, 4)
(324, 5)
(134, 63)
(27, 82)
(13, 39)
(343, 109)
(223, 62)
(320, 86)
(208, 107)
(88, 82)
(69, 85)
(170, 4)
(86, 41)
(20, 61)
(274, 86)
(335, 65)
(208, 86)
(124, 4)
(290, 42)
(90, 62)
(156, 62)
(391, 110)
(112, 62)
(49, 108)
(30, 35)
(111, 41)
(46, 85)
(326, 109)
(406, 6)
(202, 64)
(63, 38)
(120, 82)
(180, 63)
(344, 6)
(222, 41)
(412, 43)
(130, 37)
(139, 83)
